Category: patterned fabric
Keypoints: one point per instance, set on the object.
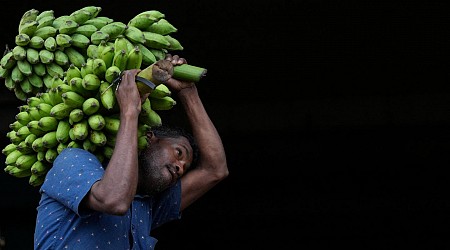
(60, 223)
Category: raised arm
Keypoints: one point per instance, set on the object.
(212, 164)
(114, 193)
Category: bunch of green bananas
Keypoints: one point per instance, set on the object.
(64, 68)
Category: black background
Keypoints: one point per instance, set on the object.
(334, 115)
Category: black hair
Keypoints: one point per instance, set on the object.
(165, 131)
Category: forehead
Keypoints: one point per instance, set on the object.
(181, 142)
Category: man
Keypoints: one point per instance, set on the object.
(85, 205)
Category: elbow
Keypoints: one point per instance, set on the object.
(222, 173)
(117, 208)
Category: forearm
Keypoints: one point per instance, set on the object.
(117, 188)
(212, 153)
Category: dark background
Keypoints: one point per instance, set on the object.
(335, 116)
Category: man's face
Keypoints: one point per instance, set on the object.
(162, 163)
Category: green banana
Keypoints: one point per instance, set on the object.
(36, 181)
(96, 121)
(9, 148)
(25, 67)
(134, 59)
(91, 51)
(147, 56)
(48, 81)
(45, 21)
(76, 83)
(34, 113)
(12, 157)
(34, 128)
(121, 43)
(94, 10)
(71, 72)
(19, 52)
(68, 27)
(75, 57)
(61, 147)
(97, 22)
(63, 40)
(153, 13)
(39, 69)
(22, 133)
(49, 139)
(99, 36)
(89, 146)
(46, 32)
(80, 40)
(32, 55)
(107, 96)
(74, 144)
(39, 168)
(48, 123)
(46, 56)
(61, 58)
(45, 13)
(91, 81)
(114, 29)
(30, 139)
(35, 80)
(164, 103)
(81, 16)
(80, 130)
(120, 60)
(75, 116)
(27, 16)
(112, 73)
(162, 27)
(19, 173)
(174, 43)
(142, 21)
(112, 124)
(73, 99)
(8, 61)
(51, 154)
(99, 68)
(44, 108)
(97, 137)
(15, 125)
(16, 75)
(28, 28)
(25, 161)
(155, 40)
(135, 35)
(36, 42)
(54, 70)
(107, 151)
(86, 30)
(107, 55)
(90, 106)
(160, 91)
(60, 111)
(22, 39)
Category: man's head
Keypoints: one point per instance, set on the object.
(170, 154)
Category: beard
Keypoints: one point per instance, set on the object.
(153, 175)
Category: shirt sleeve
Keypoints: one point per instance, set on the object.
(71, 177)
(167, 205)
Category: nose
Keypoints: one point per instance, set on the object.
(179, 168)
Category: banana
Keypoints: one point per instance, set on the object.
(32, 55)
(160, 54)
(112, 73)
(121, 43)
(71, 72)
(48, 82)
(35, 80)
(25, 87)
(147, 56)
(45, 13)
(81, 16)
(46, 56)
(16, 75)
(51, 154)
(90, 106)
(142, 21)
(164, 103)
(155, 40)
(96, 121)
(50, 44)
(22, 133)
(28, 28)
(135, 35)
(48, 123)
(86, 30)
(19, 173)
(14, 138)
(22, 39)
(120, 60)
(110, 139)
(97, 137)
(19, 52)
(8, 61)
(25, 161)
(49, 139)
(4, 73)
(60, 111)
(107, 96)
(99, 68)
(74, 144)
(62, 131)
(162, 27)
(8, 149)
(15, 125)
(34, 113)
(114, 29)
(9, 83)
(97, 22)
(91, 81)
(39, 168)
(174, 43)
(39, 69)
(29, 140)
(46, 32)
(89, 146)
(34, 128)
(99, 36)
(94, 10)
(134, 59)
(153, 13)
(80, 40)
(12, 157)
(63, 40)
(75, 116)
(67, 27)
(75, 57)
(27, 16)
(54, 70)
(61, 59)
(54, 95)
(20, 94)
(61, 147)
(107, 151)
(112, 124)
(44, 108)
(45, 21)
(76, 83)
(142, 142)
(80, 130)
(36, 42)
(107, 55)
(160, 91)
(45, 97)
(73, 99)
(25, 67)
(91, 51)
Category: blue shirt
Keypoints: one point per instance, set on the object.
(60, 224)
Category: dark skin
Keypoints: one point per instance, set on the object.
(114, 193)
